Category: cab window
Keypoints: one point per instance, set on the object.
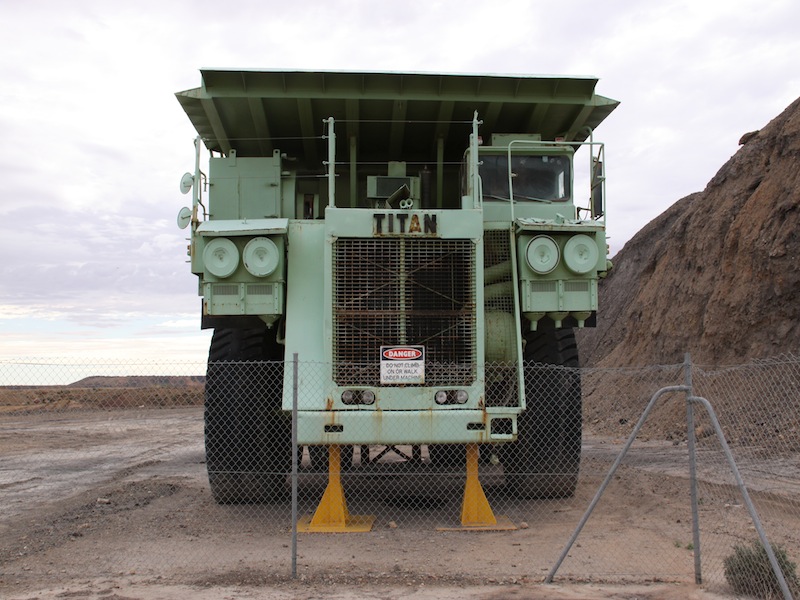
(534, 178)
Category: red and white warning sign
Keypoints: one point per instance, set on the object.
(402, 365)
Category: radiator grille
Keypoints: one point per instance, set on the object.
(392, 292)
(260, 289)
(543, 286)
(225, 289)
(576, 286)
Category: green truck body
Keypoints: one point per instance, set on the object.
(422, 239)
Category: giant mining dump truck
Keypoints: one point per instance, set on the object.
(423, 247)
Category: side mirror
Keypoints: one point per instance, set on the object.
(598, 178)
(187, 181)
(184, 217)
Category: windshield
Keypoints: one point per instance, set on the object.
(534, 178)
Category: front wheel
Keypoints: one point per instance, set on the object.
(248, 438)
(545, 459)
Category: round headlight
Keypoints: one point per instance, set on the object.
(580, 254)
(440, 397)
(221, 257)
(368, 397)
(542, 254)
(261, 256)
(347, 397)
(462, 396)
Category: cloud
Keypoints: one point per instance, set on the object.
(95, 142)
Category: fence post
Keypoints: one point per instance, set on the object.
(610, 476)
(294, 466)
(690, 437)
(751, 509)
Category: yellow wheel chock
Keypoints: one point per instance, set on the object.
(476, 514)
(331, 515)
(475, 509)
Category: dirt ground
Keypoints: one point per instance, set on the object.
(115, 505)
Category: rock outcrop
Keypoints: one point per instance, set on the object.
(718, 273)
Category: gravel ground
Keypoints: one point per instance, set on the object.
(115, 505)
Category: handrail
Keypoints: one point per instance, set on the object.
(474, 164)
(547, 143)
(197, 181)
(473, 146)
(331, 162)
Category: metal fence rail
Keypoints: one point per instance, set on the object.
(185, 470)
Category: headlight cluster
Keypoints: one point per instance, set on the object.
(358, 397)
(221, 257)
(351, 397)
(451, 397)
(544, 255)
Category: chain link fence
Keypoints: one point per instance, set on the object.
(189, 471)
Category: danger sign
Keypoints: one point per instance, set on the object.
(402, 365)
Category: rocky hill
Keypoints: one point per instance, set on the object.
(718, 273)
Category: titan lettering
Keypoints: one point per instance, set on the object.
(401, 223)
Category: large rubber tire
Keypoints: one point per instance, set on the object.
(448, 458)
(545, 459)
(318, 457)
(248, 438)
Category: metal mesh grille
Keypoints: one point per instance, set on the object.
(225, 289)
(260, 289)
(501, 384)
(576, 286)
(543, 286)
(390, 292)
(497, 260)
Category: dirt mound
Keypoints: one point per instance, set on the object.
(717, 274)
(104, 393)
(138, 381)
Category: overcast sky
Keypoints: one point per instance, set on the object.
(94, 141)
